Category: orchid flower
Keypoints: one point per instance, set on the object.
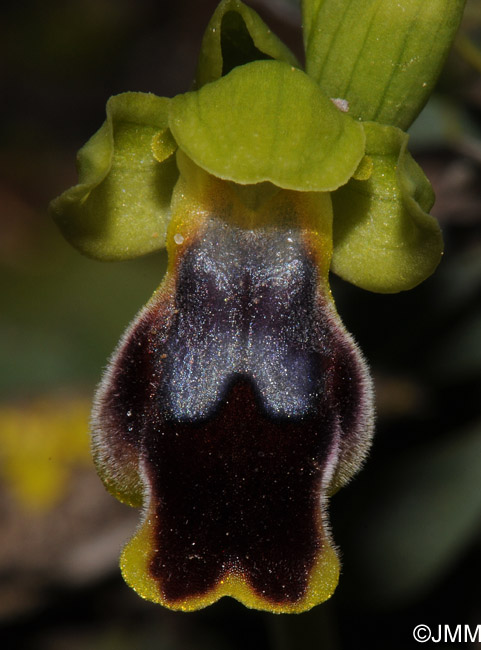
(236, 403)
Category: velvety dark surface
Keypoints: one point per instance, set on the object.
(239, 491)
(238, 388)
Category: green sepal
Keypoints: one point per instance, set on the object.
(236, 35)
(268, 121)
(382, 56)
(384, 240)
(120, 207)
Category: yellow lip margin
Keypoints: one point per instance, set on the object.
(136, 557)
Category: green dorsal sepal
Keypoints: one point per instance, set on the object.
(268, 121)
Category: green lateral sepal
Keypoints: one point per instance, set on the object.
(384, 238)
(120, 207)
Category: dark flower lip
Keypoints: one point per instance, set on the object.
(245, 403)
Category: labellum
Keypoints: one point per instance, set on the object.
(236, 404)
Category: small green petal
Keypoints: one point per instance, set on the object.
(268, 121)
(384, 240)
(383, 57)
(364, 170)
(163, 145)
(121, 206)
(234, 36)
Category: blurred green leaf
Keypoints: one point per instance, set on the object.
(62, 319)
(457, 355)
(418, 514)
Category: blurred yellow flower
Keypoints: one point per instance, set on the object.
(41, 444)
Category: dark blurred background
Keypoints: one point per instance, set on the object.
(409, 526)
